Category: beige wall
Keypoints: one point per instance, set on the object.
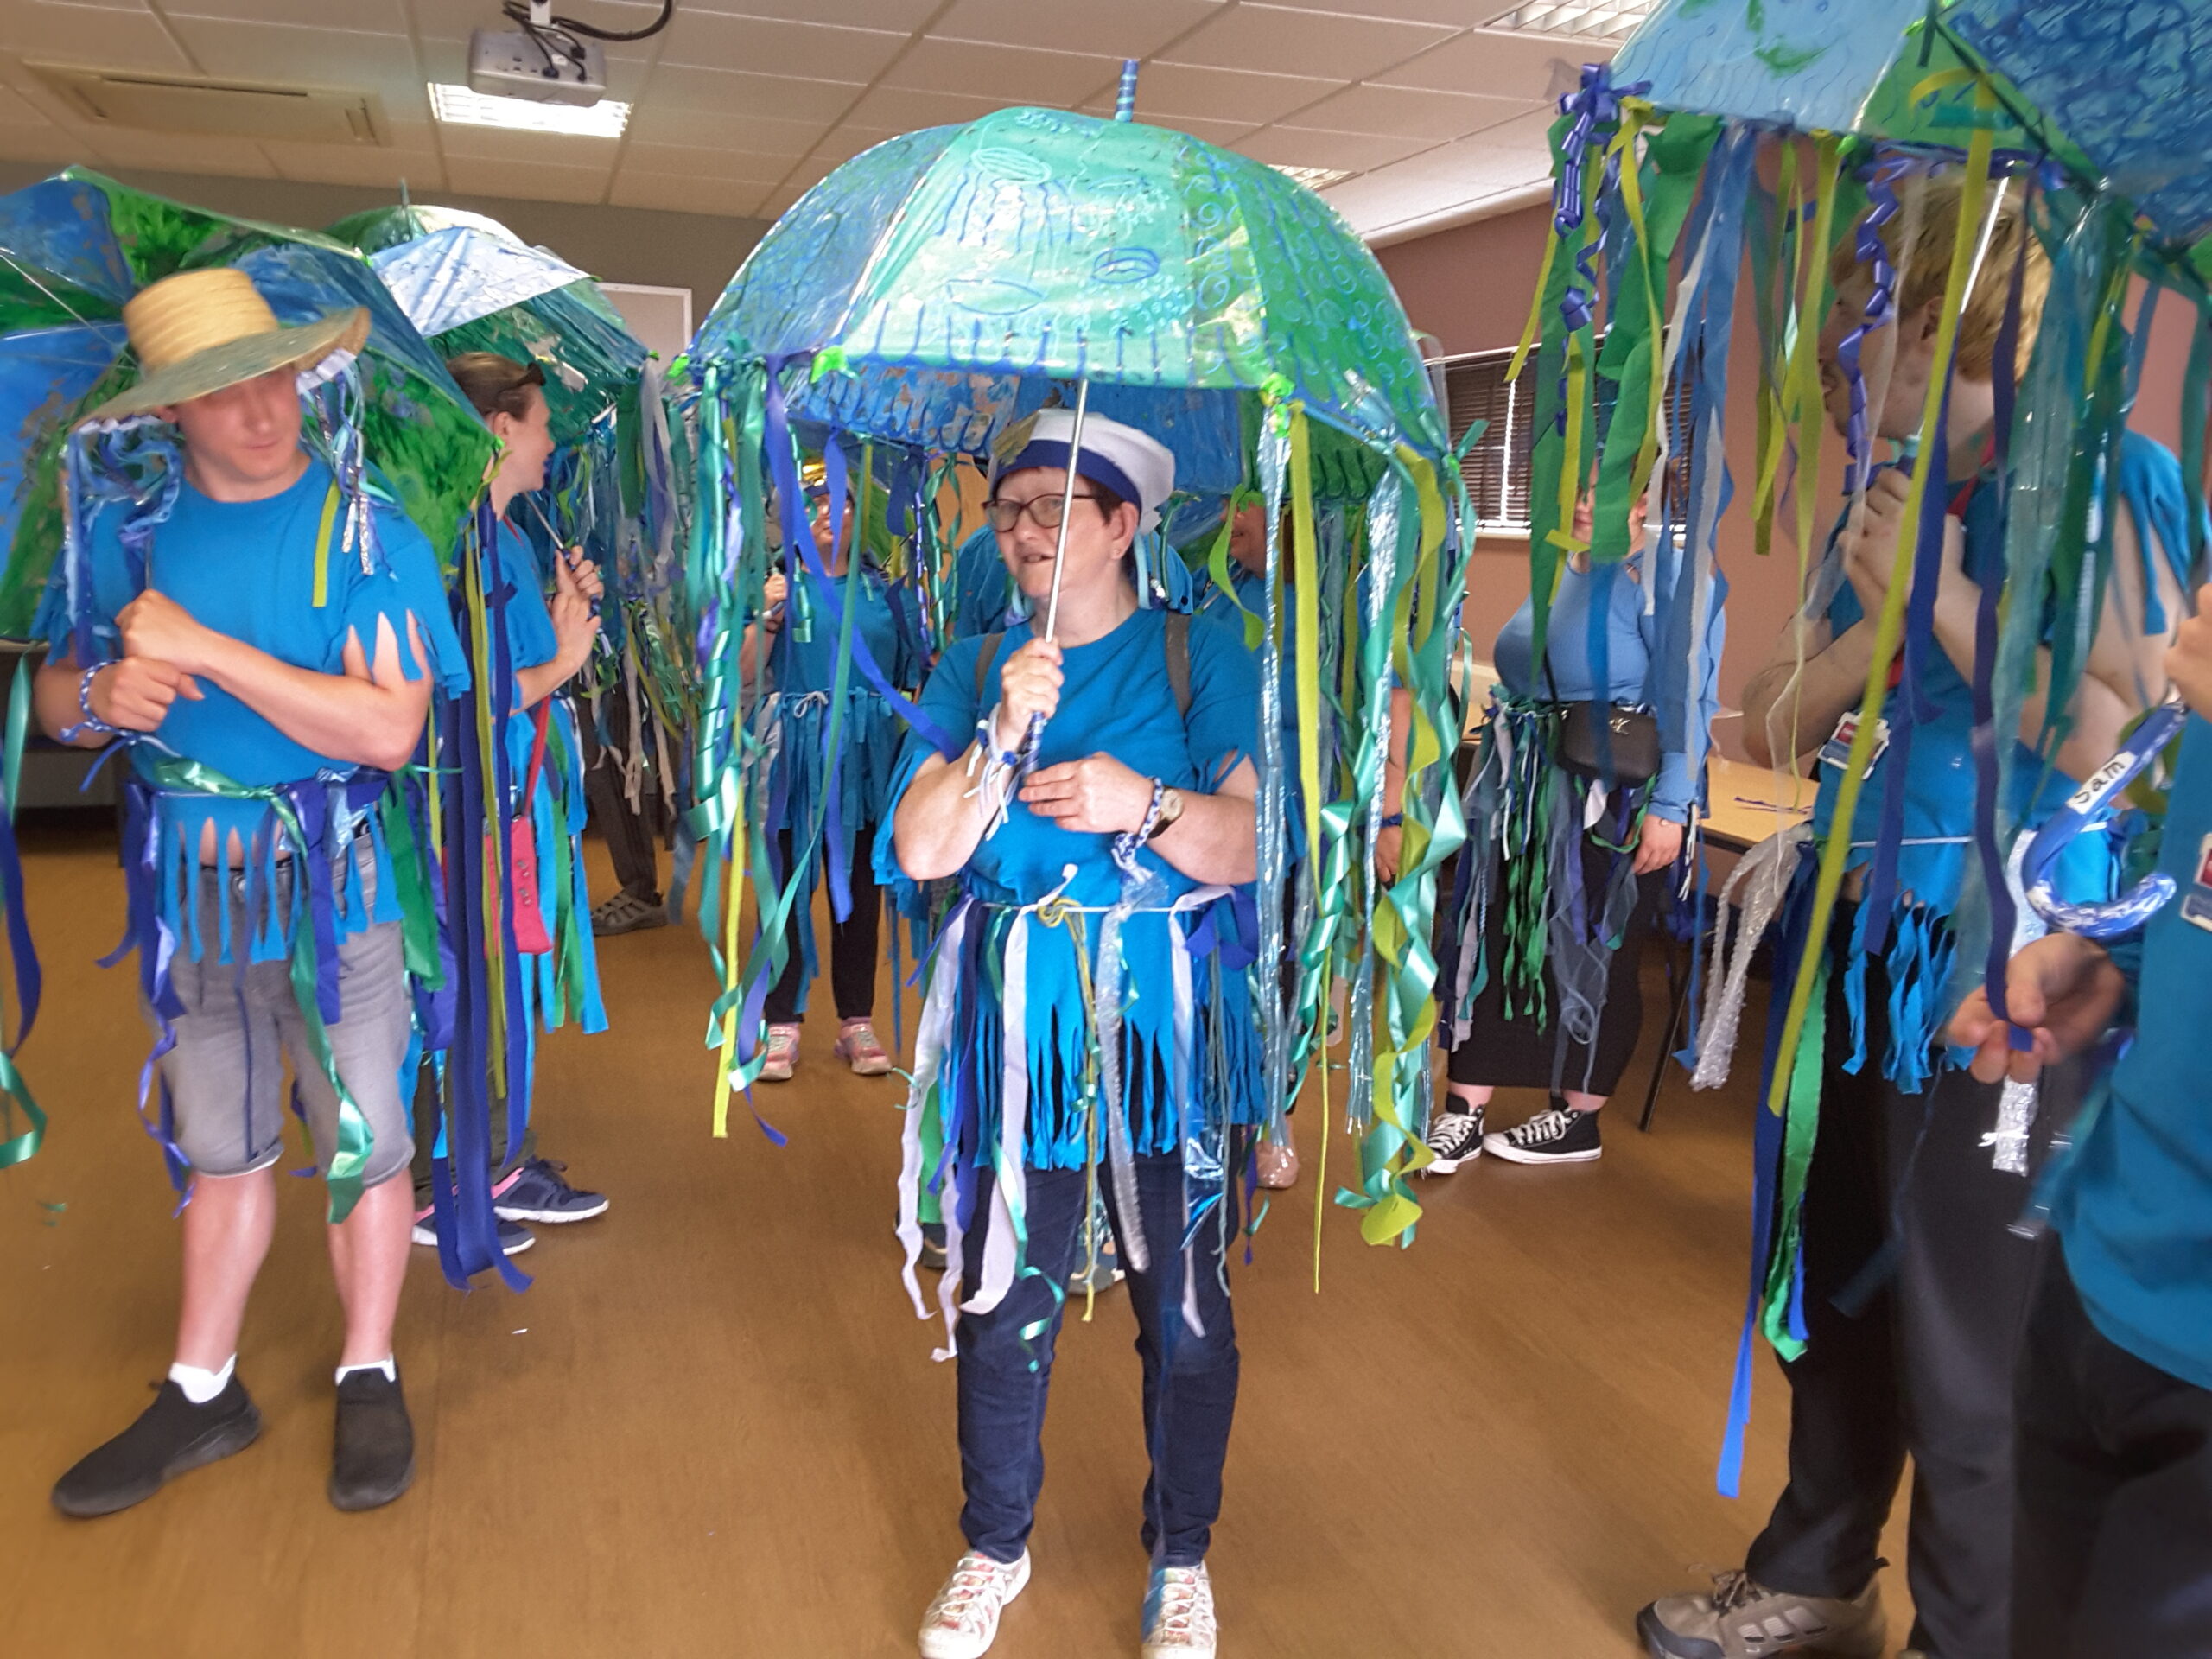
(1471, 287)
(700, 251)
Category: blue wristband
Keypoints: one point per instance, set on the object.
(91, 722)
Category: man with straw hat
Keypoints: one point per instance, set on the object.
(262, 637)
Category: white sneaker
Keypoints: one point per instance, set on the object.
(963, 1621)
(1178, 1614)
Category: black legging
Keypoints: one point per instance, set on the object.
(852, 943)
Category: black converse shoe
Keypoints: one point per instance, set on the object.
(171, 1437)
(373, 1459)
(1456, 1138)
(1560, 1135)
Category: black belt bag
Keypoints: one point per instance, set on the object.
(1630, 739)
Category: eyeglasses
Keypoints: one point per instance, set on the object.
(1045, 512)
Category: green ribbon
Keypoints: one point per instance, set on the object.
(350, 1159)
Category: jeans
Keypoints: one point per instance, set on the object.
(2113, 1531)
(630, 842)
(1190, 1380)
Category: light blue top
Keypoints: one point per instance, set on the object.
(1605, 645)
(2135, 1206)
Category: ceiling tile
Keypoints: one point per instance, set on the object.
(787, 98)
(1302, 43)
(1355, 152)
(653, 122)
(41, 142)
(456, 20)
(709, 163)
(1453, 14)
(685, 193)
(1122, 28)
(777, 46)
(1214, 132)
(1172, 89)
(527, 180)
(1403, 113)
(45, 33)
(539, 149)
(299, 56)
(1491, 60)
(904, 109)
(846, 141)
(373, 17)
(418, 169)
(905, 16)
(1012, 75)
(177, 153)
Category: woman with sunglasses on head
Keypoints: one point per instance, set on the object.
(552, 641)
(1089, 1021)
(1545, 991)
(824, 813)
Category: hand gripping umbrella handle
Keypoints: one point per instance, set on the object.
(2117, 917)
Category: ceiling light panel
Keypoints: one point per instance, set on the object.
(460, 106)
(1593, 20)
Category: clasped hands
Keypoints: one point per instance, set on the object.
(163, 648)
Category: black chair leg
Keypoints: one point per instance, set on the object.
(1678, 996)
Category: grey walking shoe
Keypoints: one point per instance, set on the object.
(1743, 1619)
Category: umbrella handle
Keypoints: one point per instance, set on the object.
(2133, 909)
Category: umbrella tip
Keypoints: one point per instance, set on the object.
(1125, 102)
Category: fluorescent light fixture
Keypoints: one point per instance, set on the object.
(461, 107)
(1313, 178)
(1595, 19)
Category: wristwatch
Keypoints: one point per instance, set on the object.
(1170, 808)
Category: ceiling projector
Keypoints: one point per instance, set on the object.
(546, 59)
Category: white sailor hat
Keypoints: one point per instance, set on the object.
(1134, 465)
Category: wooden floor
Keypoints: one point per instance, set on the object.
(712, 1426)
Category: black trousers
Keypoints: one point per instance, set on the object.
(1924, 1366)
(629, 832)
(852, 943)
(2113, 1535)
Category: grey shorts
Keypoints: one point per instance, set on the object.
(240, 1023)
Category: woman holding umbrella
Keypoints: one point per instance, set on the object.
(1109, 849)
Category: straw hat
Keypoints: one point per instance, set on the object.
(200, 331)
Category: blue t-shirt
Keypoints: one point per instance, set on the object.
(1630, 636)
(529, 618)
(1116, 699)
(2134, 1209)
(247, 569)
(798, 665)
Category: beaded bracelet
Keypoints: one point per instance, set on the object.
(1126, 844)
(91, 722)
(987, 733)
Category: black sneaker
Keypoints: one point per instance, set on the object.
(1560, 1135)
(1456, 1138)
(171, 1437)
(933, 1251)
(537, 1192)
(373, 1457)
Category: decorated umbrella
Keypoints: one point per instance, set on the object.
(72, 249)
(75, 247)
(2075, 110)
(469, 285)
(946, 285)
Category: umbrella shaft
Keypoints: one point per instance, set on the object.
(1067, 506)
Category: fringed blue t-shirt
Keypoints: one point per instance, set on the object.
(1118, 699)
